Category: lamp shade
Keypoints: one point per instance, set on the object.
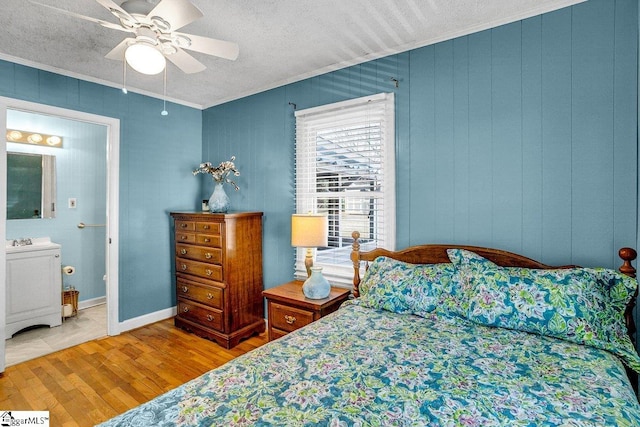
(309, 230)
(145, 58)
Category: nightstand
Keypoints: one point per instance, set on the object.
(289, 309)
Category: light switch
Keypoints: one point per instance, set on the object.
(72, 203)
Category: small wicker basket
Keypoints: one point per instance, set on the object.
(71, 297)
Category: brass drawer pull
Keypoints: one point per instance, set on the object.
(183, 225)
(206, 227)
(184, 237)
(184, 267)
(186, 309)
(207, 240)
(289, 319)
(209, 295)
(208, 255)
(209, 272)
(209, 318)
(183, 251)
(185, 289)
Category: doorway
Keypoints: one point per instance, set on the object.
(100, 228)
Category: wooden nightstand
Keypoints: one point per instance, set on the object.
(289, 309)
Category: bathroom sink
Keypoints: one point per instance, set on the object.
(37, 244)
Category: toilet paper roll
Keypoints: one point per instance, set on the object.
(68, 270)
(67, 310)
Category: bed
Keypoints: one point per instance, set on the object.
(437, 335)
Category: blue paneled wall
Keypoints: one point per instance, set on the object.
(522, 137)
(157, 154)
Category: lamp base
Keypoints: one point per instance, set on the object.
(316, 286)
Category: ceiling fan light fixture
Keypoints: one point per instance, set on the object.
(145, 58)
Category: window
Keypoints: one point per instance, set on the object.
(345, 168)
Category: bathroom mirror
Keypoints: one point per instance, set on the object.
(31, 186)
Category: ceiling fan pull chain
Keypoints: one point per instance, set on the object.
(164, 95)
(124, 77)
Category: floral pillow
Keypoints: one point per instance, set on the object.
(580, 305)
(401, 287)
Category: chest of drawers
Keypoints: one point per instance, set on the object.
(218, 267)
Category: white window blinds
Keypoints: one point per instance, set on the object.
(345, 168)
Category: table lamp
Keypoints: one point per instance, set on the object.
(310, 231)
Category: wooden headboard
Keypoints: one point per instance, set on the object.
(432, 254)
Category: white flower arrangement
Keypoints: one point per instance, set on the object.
(221, 172)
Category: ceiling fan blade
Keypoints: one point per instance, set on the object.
(116, 10)
(186, 62)
(86, 18)
(117, 52)
(221, 48)
(177, 13)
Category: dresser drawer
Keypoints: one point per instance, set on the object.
(185, 237)
(288, 318)
(208, 227)
(199, 253)
(207, 295)
(208, 271)
(208, 240)
(185, 226)
(205, 316)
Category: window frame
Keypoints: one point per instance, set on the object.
(305, 172)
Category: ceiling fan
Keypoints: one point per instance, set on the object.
(154, 26)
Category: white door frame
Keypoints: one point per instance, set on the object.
(113, 179)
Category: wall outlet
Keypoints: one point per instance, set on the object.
(72, 203)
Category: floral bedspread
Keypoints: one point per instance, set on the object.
(368, 367)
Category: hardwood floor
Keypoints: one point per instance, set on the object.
(92, 382)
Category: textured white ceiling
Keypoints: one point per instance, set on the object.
(281, 41)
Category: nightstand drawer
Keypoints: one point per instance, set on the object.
(289, 309)
(207, 317)
(288, 318)
(274, 334)
(208, 271)
(199, 253)
(208, 295)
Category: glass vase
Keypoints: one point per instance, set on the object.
(219, 201)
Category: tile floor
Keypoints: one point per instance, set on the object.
(89, 324)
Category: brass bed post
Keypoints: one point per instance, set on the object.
(355, 258)
(628, 255)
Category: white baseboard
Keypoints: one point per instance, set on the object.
(147, 319)
(91, 302)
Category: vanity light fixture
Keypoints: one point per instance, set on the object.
(34, 138)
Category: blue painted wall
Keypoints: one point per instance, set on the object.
(81, 166)
(157, 154)
(522, 137)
